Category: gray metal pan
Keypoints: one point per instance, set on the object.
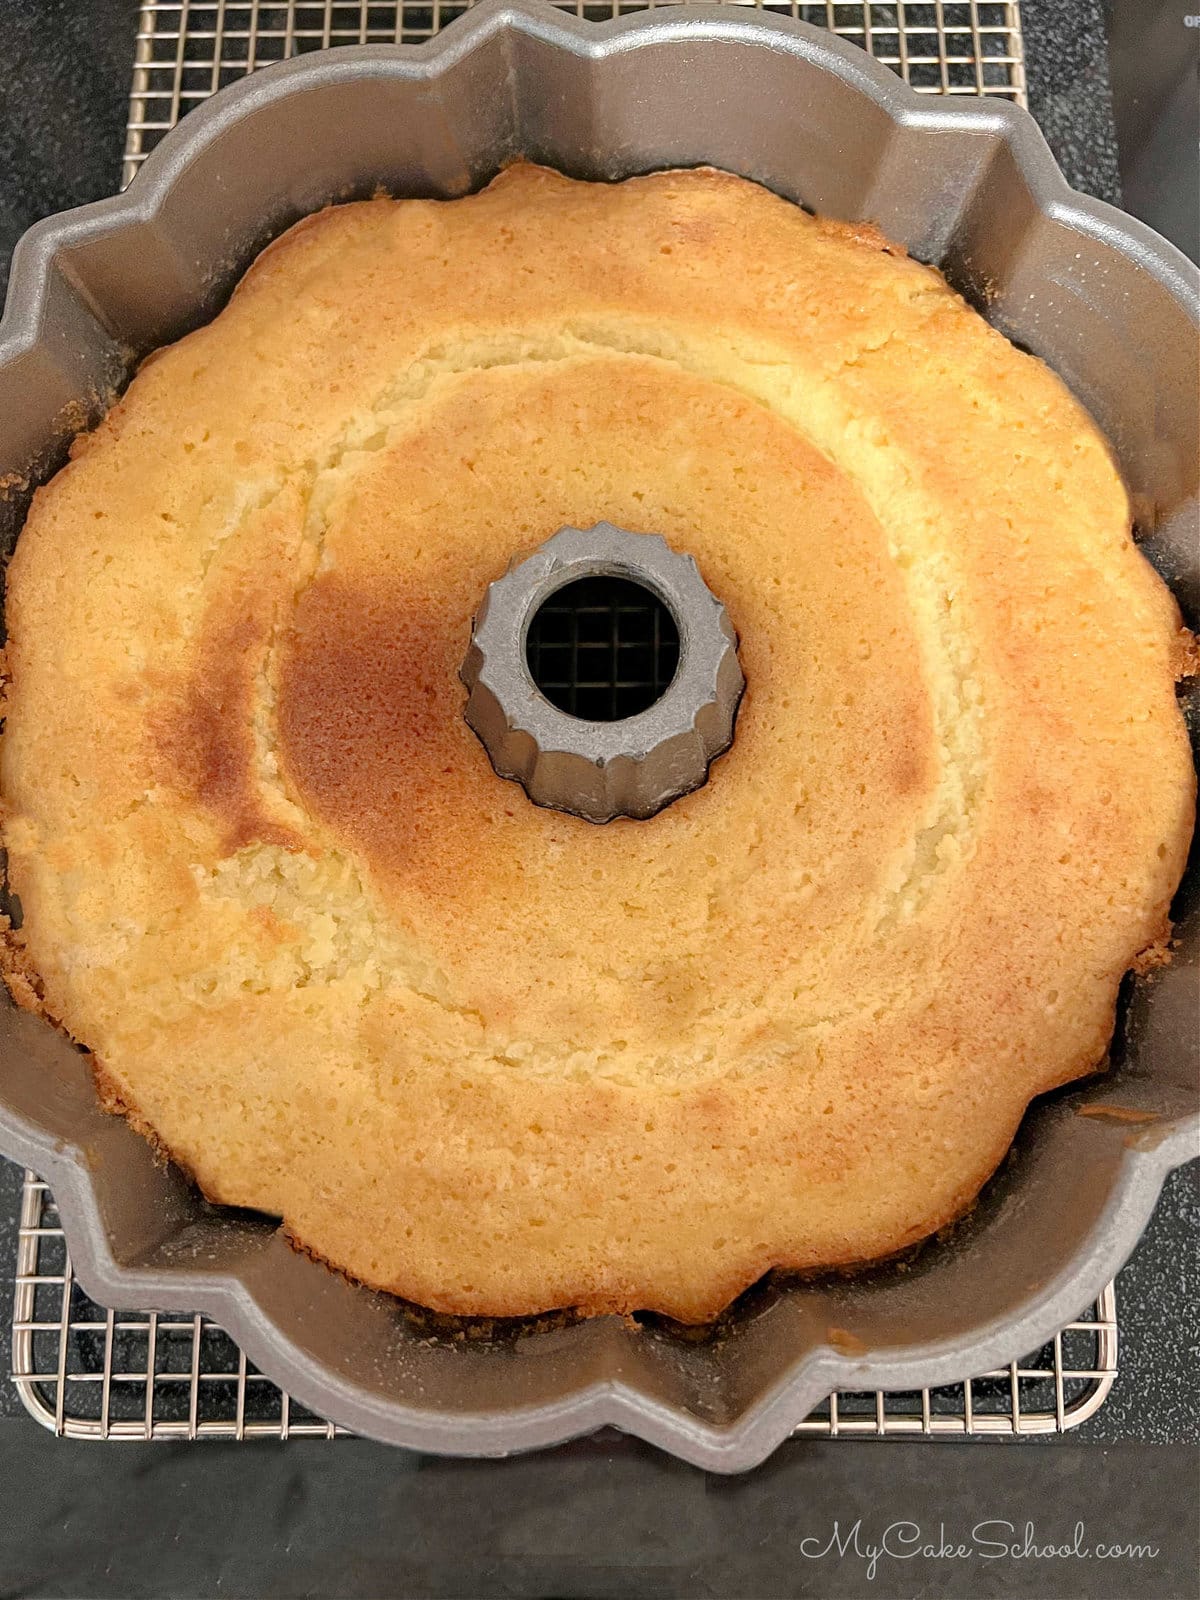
(970, 186)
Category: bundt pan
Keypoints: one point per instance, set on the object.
(970, 186)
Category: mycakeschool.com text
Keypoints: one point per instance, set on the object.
(990, 1539)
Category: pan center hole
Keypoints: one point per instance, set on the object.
(602, 648)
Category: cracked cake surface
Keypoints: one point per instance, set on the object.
(492, 1057)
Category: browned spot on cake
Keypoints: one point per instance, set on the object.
(864, 233)
(695, 232)
(269, 924)
(210, 745)
(844, 1342)
(18, 972)
(910, 741)
(1187, 663)
(371, 730)
(1158, 954)
(1117, 1113)
(1038, 801)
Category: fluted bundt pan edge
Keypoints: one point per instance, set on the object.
(970, 186)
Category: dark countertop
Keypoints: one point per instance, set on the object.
(610, 1518)
(605, 1517)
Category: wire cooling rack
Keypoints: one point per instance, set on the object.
(90, 1372)
(187, 50)
(602, 648)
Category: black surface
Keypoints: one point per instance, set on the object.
(1154, 66)
(1067, 70)
(65, 67)
(609, 1517)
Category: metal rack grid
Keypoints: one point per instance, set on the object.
(603, 648)
(86, 1371)
(188, 49)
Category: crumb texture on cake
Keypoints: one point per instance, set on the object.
(488, 1056)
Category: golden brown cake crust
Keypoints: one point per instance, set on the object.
(489, 1056)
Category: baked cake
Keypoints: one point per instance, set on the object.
(491, 1057)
